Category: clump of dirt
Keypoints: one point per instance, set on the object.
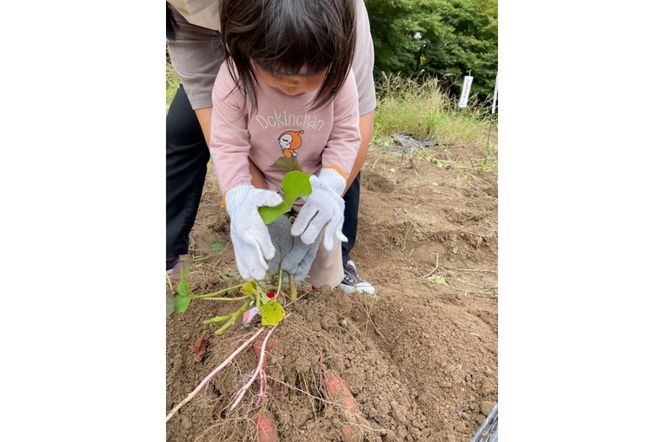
(420, 358)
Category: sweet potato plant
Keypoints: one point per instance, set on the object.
(265, 297)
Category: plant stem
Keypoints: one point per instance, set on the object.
(240, 394)
(262, 382)
(211, 375)
(216, 319)
(233, 318)
(222, 299)
(293, 287)
(281, 272)
(219, 292)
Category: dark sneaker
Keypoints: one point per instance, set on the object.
(171, 262)
(353, 283)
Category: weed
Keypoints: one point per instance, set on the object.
(422, 109)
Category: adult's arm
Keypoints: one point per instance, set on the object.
(196, 54)
(363, 64)
(366, 132)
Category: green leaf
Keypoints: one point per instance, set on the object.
(295, 184)
(225, 327)
(183, 286)
(183, 298)
(216, 319)
(270, 214)
(215, 245)
(271, 314)
(182, 303)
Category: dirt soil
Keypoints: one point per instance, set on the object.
(420, 358)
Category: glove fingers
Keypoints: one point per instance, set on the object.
(254, 260)
(250, 259)
(295, 255)
(333, 230)
(240, 259)
(273, 264)
(315, 182)
(262, 238)
(314, 229)
(280, 235)
(305, 265)
(267, 198)
(282, 241)
(251, 239)
(289, 264)
(303, 218)
(338, 231)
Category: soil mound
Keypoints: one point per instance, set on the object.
(420, 358)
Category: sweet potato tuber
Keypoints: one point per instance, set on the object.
(337, 391)
(266, 428)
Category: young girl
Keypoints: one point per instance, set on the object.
(283, 92)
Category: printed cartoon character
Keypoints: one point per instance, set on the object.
(290, 141)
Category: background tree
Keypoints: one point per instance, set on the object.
(440, 38)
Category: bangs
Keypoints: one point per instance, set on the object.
(295, 44)
(295, 69)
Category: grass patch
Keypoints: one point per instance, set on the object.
(421, 109)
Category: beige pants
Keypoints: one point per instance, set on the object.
(327, 268)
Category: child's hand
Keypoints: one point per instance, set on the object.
(323, 206)
(291, 253)
(301, 256)
(282, 241)
(249, 234)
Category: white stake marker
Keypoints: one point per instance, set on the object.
(465, 91)
(495, 96)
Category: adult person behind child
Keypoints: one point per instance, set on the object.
(196, 52)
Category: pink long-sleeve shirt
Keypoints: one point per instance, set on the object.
(282, 126)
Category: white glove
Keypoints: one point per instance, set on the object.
(249, 234)
(324, 205)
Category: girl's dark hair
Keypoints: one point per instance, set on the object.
(284, 36)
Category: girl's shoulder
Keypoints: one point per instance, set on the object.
(348, 90)
(226, 73)
(224, 86)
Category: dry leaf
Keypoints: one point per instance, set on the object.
(199, 347)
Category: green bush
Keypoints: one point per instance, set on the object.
(443, 39)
